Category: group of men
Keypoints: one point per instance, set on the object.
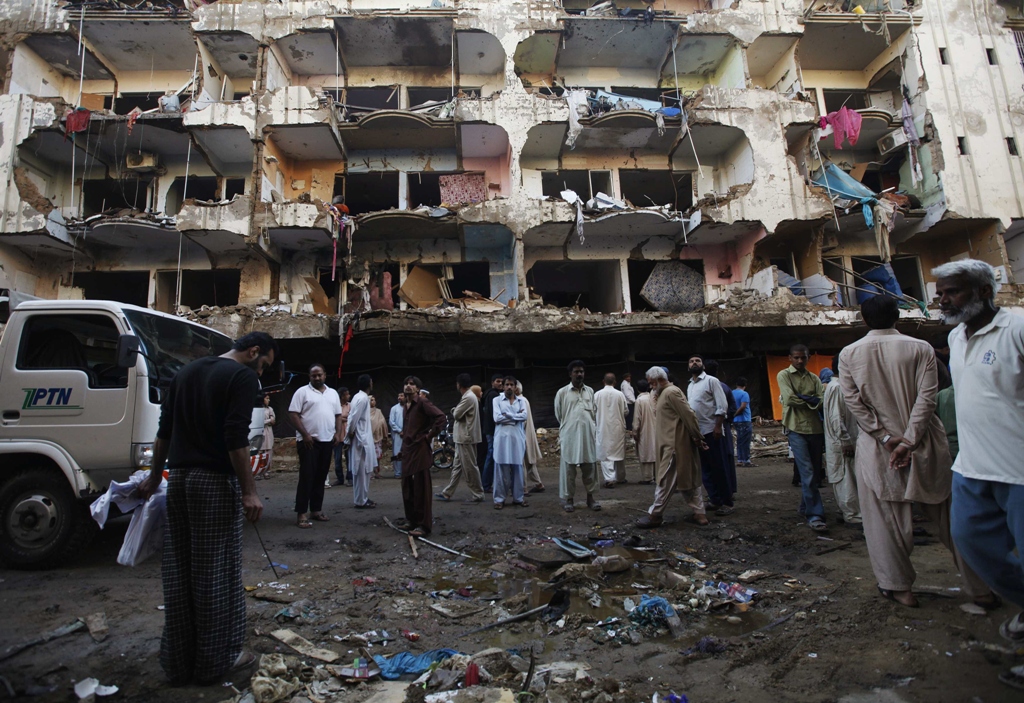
(886, 447)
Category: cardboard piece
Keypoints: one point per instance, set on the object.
(304, 646)
(317, 296)
(421, 289)
(457, 609)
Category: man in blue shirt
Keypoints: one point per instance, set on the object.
(741, 422)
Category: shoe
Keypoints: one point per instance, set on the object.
(701, 520)
(443, 497)
(568, 507)
(711, 506)
(891, 595)
(725, 510)
(366, 506)
(817, 524)
(1013, 629)
(592, 503)
(647, 522)
(476, 500)
(536, 489)
(609, 484)
(418, 532)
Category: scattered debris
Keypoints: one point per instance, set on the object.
(42, 639)
(89, 688)
(304, 646)
(97, 624)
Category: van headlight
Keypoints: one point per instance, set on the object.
(142, 455)
(255, 443)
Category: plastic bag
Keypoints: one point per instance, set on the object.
(146, 531)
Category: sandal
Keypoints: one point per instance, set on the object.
(1012, 629)
(569, 507)
(989, 602)
(521, 504)
(1014, 677)
(499, 506)
(891, 595)
(418, 532)
(304, 524)
(367, 505)
(442, 496)
(818, 525)
(320, 517)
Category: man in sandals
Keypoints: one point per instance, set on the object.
(577, 438)
(509, 413)
(987, 362)
(362, 453)
(315, 412)
(890, 383)
(802, 396)
(204, 437)
(423, 422)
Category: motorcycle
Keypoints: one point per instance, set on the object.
(443, 449)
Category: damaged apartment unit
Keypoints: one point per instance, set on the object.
(626, 171)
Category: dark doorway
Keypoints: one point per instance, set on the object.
(473, 275)
(214, 287)
(647, 188)
(639, 271)
(385, 98)
(419, 96)
(593, 285)
(554, 182)
(198, 187)
(425, 189)
(130, 287)
(113, 194)
(370, 192)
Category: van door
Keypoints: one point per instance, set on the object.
(62, 385)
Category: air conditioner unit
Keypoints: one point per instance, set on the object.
(892, 141)
(141, 162)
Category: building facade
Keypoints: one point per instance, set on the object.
(526, 181)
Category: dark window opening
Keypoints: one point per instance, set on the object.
(384, 98)
(639, 270)
(943, 55)
(884, 178)
(593, 285)
(961, 146)
(991, 55)
(425, 189)
(1011, 146)
(233, 187)
(109, 194)
(905, 268)
(600, 182)
(198, 187)
(214, 287)
(784, 263)
(642, 93)
(370, 192)
(239, 96)
(473, 276)
(554, 182)
(852, 99)
(556, 91)
(130, 287)
(87, 343)
(126, 102)
(418, 96)
(656, 188)
(331, 288)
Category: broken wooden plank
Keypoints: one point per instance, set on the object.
(303, 646)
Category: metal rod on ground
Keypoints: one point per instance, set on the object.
(427, 541)
(265, 552)
(506, 621)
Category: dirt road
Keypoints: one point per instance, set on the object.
(841, 641)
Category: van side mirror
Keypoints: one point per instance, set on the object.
(127, 351)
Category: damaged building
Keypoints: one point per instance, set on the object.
(504, 185)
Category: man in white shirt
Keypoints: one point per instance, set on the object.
(610, 408)
(315, 411)
(396, 420)
(509, 445)
(630, 395)
(362, 453)
(708, 402)
(987, 363)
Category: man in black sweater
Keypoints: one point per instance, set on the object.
(204, 437)
(487, 425)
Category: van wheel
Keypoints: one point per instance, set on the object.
(41, 522)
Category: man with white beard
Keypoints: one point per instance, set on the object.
(987, 362)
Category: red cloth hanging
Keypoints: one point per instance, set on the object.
(349, 333)
(845, 125)
(75, 121)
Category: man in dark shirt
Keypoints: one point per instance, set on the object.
(487, 425)
(423, 422)
(204, 438)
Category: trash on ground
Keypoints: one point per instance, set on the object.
(408, 663)
(45, 637)
(613, 563)
(91, 687)
(97, 624)
(304, 646)
(687, 559)
(751, 575)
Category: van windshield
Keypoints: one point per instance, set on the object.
(172, 344)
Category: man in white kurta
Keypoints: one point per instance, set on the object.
(610, 407)
(362, 454)
(646, 432)
(396, 420)
(577, 429)
(509, 445)
(890, 383)
(840, 443)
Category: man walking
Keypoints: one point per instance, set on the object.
(802, 395)
(630, 395)
(362, 452)
(315, 412)
(679, 443)
(840, 449)
(709, 404)
(339, 449)
(487, 425)
(577, 438)
(423, 422)
(645, 432)
(741, 422)
(395, 420)
(610, 408)
(987, 362)
(204, 438)
(889, 382)
(466, 435)
(509, 445)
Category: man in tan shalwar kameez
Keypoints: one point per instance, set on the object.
(678, 441)
(889, 382)
(646, 432)
(533, 482)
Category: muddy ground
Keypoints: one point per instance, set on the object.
(842, 641)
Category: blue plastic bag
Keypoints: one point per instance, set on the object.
(409, 663)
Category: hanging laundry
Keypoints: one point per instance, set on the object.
(75, 121)
(463, 188)
(570, 197)
(576, 99)
(845, 125)
(885, 222)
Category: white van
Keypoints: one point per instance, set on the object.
(78, 408)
